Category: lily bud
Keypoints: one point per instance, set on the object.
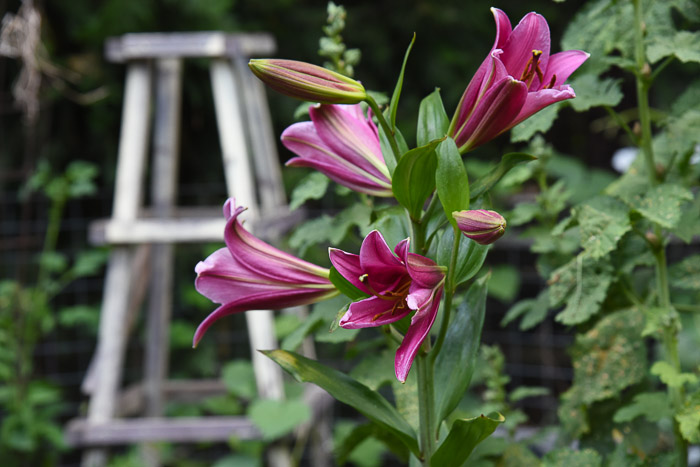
(481, 225)
(308, 82)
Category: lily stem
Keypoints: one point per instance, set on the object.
(387, 130)
(449, 293)
(426, 407)
(670, 337)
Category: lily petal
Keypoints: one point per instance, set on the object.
(532, 33)
(562, 64)
(537, 101)
(371, 312)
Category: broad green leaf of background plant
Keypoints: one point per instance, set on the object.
(540, 122)
(651, 405)
(689, 419)
(470, 257)
(601, 229)
(239, 378)
(327, 229)
(313, 186)
(451, 179)
(583, 285)
(463, 437)
(662, 204)
(276, 418)
(432, 119)
(392, 223)
(414, 178)
(592, 91)
(686, 274)
(684, 45)
(530, 311)
(508, 161)
(454, 364)
(348, 391)
(607, 359)
(570, 458)
(670, 376)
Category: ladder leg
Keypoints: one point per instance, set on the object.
(128, 192)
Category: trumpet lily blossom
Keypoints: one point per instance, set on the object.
(517, 79)
(399, 283)
(342, 143)
(249, 274)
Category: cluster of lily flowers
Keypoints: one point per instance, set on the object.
(518, 78)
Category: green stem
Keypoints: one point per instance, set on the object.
(387, 130)
(449, 293)
(51, 238)
(426, 407)
(615, 116)
(670, 337)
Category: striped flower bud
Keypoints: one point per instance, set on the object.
(308, 82)
(481, 225)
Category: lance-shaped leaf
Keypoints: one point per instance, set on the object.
(393, 105)
(454, 364)
(463, 438)
(432, 119)
(508, 161)
(348, 391)
(451, 179)
(385, 145)
(414, 178)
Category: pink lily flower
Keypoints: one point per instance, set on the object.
(517, 79)
(399, 283)
(249, 274)
(342, 143)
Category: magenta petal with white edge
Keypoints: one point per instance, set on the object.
(537, 101)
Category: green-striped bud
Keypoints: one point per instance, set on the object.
(308, 82)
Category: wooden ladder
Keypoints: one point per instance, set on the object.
(143, 239)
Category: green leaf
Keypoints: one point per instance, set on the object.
(454, 364)
(523, 392)
(684, 45)
(414, 178)
(570, 458)
(592, 91)
(662, 204)
(432, 119)
(393, 105)
(89, 262)
(658, 319)
(670, 376)
(393, 223)
(326, 229)
(313, 186)
(463, 438)
(239, 378)
(609, 357)
(651, 405)
(470, 257)
(532, 311)
(581, 283)
(451, 179)
(686, 274)
(689, 419)
(540, 122)
(505, 283)
(601, 229)
(375, 370)
(348, 391)
(508, 161)
(276, 418)
(385, 146)
(345, 286)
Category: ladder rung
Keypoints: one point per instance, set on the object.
(182, 429)
(193, 44)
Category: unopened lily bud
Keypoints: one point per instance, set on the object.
(308, 82)
(481, 225)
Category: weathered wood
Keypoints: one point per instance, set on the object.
(138, 46)
(80, 432)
